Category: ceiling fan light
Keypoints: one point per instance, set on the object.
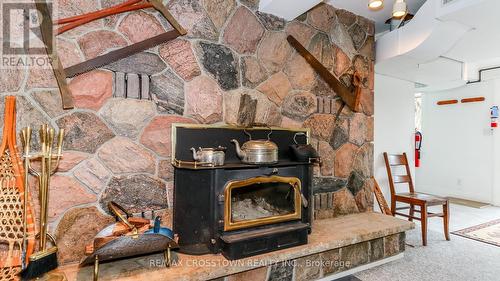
(375, 4)
(399, 9)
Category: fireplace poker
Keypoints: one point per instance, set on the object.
(26, 139)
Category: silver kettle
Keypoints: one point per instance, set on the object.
(257, 151)
(209, 155)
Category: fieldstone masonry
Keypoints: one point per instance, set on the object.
(323, 264)
(234, 66)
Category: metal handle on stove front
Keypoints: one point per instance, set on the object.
(273, 172)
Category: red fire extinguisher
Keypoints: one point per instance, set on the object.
(418, 145)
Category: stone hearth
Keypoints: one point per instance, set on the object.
(335, 245)
(233, 67)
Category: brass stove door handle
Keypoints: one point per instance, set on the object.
(305, 203)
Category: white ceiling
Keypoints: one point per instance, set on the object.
(360, 7)
(481, 43)
(285, 8)
(473, 27)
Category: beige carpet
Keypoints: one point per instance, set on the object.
(487, 232)
(460, 259)
(468, 203)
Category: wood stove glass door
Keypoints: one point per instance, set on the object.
(260, 201)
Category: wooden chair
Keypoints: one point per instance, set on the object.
(413, 198)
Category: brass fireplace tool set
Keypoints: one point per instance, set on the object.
(45, 259)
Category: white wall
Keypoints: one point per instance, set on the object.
(496, 148)
(457, 148)
(394, 124)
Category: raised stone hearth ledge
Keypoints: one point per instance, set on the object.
(327, 235)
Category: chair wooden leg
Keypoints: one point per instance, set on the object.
(412, 212)
(423, 221)
(446, 220)
(393, 206)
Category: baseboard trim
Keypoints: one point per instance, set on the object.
(361, 268)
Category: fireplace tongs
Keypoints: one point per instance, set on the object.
(69, 23)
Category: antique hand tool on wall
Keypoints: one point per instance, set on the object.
(351, 99)
(48, 40)
(46, 258)
(67, 24)
(17, 223)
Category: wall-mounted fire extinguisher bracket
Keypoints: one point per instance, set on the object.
(494, 117)
(418, 146)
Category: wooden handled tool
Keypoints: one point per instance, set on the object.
(69, 23)
(351, 99)
(26, 140)
(127, 6)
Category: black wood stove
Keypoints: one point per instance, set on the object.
(238, 209)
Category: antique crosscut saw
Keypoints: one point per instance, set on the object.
(69, 23)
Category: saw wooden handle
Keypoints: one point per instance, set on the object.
(128, 6)
(59, 73)
(158, 5)
(79, 17)
(352, 100)
(76, 21)
(69, 23)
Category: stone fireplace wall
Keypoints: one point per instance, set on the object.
(234, 66)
